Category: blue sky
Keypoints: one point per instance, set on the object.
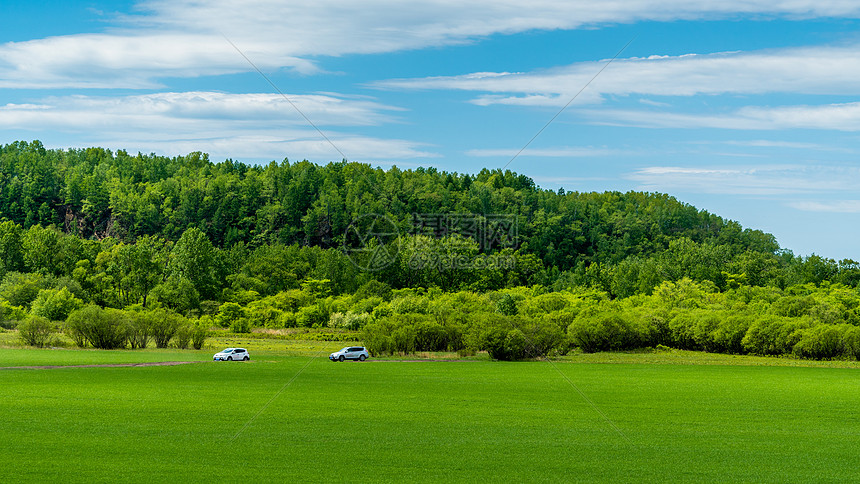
(748, 109)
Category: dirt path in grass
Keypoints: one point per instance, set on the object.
(110, 365)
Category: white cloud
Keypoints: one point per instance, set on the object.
(129, 60)
(235, 125)
(569, 181)
(766, 143)
(183, 38)
(838, 206)
(563, 152)
(649, 102)
(842, 117)
(811, 70)
(269, 145)
(178, 109)
(756, 180)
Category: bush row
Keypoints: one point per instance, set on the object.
(717, 331)
(113, 328)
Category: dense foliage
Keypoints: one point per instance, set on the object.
(808, 321)
(86, 231)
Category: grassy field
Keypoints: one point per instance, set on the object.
(297, 418)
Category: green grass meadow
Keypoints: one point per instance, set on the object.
(283, 418)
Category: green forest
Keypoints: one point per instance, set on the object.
(115, 250)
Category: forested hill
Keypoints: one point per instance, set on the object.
(625, 243)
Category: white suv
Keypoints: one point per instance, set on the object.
(350, 353)
(232, 354)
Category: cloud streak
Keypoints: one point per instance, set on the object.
(176, 108)
(183, 38)
(839, 206)
(562, 152)
(774, 180)
(811, 70)
(841, 117)
(238, 125)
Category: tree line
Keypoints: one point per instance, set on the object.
(94, 193)
(806, 321)
(249, 246)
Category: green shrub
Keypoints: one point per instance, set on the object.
(176, 293)
(542, 337)
(382, 311)
(55, 304)
(183, 335)
(241, 326)
(139, 329)
(10, 315)
(493, 340)
(403, 339)
(228, 313)
(319, 288)
(561, 319)
(377, 338)
(516, 345)
(35, 331)
(103, 329)
(314, 316)
(350, 320)
(507, 305)
(822, 342)
(728, 336)
(774, 335)
(603, 332)
(500, 336)
(851, 342)
(288, 301)
(243, 296)
(367, 305)
(288, 320)
(456, 339)
(506, 344)
(683, 330)
(374, 289)
(543, 304)
(705, 324)
(410, 305)
(164, 325)
(199, 334)
(76, 330)
(21, 289)
(430, 336)
(264, 316)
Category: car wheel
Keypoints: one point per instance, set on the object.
(229, 358)
(361, 358)
(341, 358)
(245, 358)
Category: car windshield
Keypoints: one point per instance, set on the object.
(344, 349)
(227, 350)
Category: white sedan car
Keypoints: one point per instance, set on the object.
(232, 354)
